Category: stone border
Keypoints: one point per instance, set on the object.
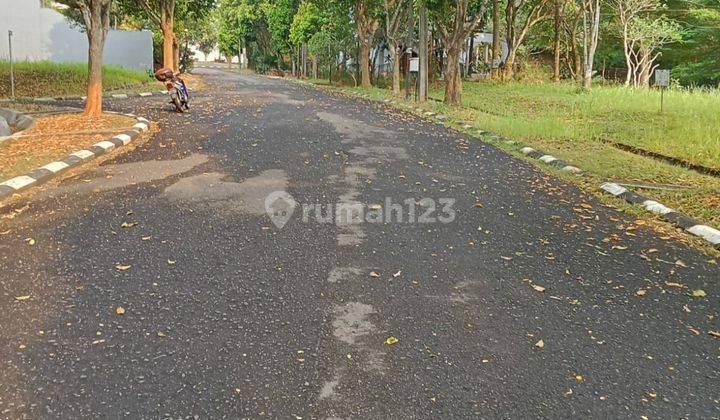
(15, 119)
(53, 169)
(708, 233)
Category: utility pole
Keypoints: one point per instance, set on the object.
(408, 47)
(12, 74)
(423, 51)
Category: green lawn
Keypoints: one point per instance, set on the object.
(568, 123)
(689, 127)
(43, 78)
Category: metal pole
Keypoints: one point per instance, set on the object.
(662, 99)
(12, 74)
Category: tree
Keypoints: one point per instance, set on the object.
(308, 21)
(520, 17)
(642, 36)
(367, 21)
(279, 16)
(559, 6)
(393, 19)
(456, 21)
(591, 30)
(96, 21)
(164, 14)
(496, 52)
(204, 34)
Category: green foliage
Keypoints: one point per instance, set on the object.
(308, 20)
(279, 17)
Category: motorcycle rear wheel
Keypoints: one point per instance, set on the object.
(178, 103)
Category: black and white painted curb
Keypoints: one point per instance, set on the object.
(76, 159)
(678, 219)
(53, 99)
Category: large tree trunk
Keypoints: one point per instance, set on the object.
(423, 51)
(364, 61)
(97, 21)
(168, 50)
(496, 51)
(453, 79)
(509, 65)
(395, 58)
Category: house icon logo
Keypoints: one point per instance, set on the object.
(280, 205)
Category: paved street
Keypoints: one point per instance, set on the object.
(534, 301)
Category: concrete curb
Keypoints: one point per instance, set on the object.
(53, 99)
(708, 233)
(680, 220)
(53, 169)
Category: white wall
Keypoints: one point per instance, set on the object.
(44, 34)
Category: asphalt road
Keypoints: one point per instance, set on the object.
(228, 315)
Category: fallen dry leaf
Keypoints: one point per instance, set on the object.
(699, 293)
(22, 298)
(641, 292)
(30, 241)
(374, 274)
(540, 344)
(391, 340)
(120, 310)
(121, 267)
(538, 288)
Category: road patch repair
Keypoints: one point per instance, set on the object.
(123, 136)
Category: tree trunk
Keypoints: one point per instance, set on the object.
(176, 55)
(423, 52)
(453, 80)
(364, 61)
(508, 66)
(497, 52)
(314, 67)
(168, 50)
(395, 58)
(96, 22)
(556, 61)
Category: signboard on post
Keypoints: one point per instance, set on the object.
(662, 78)
(415, 64)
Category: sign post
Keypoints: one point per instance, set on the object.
(12, 75)
(662, 79)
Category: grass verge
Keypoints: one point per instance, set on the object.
(43, 78)
(561, 121)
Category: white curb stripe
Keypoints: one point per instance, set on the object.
(143, 120)
(144, 94)
(613, 188)
(527, 150)
(55, 167)
(83, 154)
(656, 207)
(548, 158)
(120, 96)
(105, 145)
(706, 232)
(123, 138)
(19, 182)
(141, 126)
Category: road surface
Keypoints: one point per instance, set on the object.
(517, 296)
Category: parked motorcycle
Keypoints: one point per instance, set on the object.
(176, 88)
